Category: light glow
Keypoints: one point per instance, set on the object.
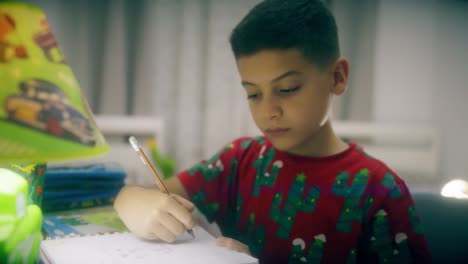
(455, 189)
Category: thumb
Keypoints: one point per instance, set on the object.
(186, 203)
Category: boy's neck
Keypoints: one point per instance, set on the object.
(324, 143)
(333, 144)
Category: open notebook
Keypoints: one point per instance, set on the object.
(127, 248)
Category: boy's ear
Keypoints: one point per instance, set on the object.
(340, 76)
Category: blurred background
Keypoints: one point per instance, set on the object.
(172, 59)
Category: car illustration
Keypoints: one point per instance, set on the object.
(42, 105)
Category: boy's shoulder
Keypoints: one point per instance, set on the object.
(379, 170)
(355, 157)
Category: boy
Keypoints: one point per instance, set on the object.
(298, 194)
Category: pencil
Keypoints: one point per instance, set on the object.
(145, 160)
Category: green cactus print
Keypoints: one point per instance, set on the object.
(402, 252)
(207, 169)
(414, 219)
(208, 209)
(256, 236)
(352, 257)
(351, 211)
(294, 203)
(238, 209)
(232, 218)
(235, 215)
(246, 143)
(381, 242)
(263, 177)
(389, 181)
(296, 255)
(232, 171)
(366, 206)
(315, 253)
(316, 249)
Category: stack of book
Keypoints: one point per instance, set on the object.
(81, 222)
(84, 186)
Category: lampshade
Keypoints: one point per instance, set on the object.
(43, 116)
(455, 189)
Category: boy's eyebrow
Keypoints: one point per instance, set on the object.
(282, 76)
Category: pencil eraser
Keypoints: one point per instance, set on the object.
(134, 143)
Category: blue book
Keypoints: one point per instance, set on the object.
(100, 171)
(83, 186)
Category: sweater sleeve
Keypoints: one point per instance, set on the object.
(397, 234)
(211, 183)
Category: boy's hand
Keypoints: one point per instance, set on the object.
(152, 214)
(232, 244)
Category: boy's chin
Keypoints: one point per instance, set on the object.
(288, 146)
(282, 144)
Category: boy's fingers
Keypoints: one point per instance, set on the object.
(232, 244)
(171, 224)
(186, 203)
(162, 233)
(149, 236)
(181, 213)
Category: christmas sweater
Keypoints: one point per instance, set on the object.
(343, 208)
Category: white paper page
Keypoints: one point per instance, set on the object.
(127, 248)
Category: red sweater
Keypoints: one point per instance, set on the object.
(344, 208)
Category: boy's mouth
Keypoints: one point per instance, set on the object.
(276, 132)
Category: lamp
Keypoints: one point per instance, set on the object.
(455, 189)
(42, 118)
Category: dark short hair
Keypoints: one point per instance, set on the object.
(306, 25)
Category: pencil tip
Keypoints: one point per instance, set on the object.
(191, 233)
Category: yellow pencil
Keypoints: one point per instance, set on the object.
(145, 160)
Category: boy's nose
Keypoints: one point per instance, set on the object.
(271, 109)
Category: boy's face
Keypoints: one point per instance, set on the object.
(289, 97)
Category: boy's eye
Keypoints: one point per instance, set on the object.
(290, 90)
(252, 96)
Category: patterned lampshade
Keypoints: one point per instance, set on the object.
(43, 116)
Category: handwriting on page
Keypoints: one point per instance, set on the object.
(133, 249)
(127, 248)
(137, 252)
